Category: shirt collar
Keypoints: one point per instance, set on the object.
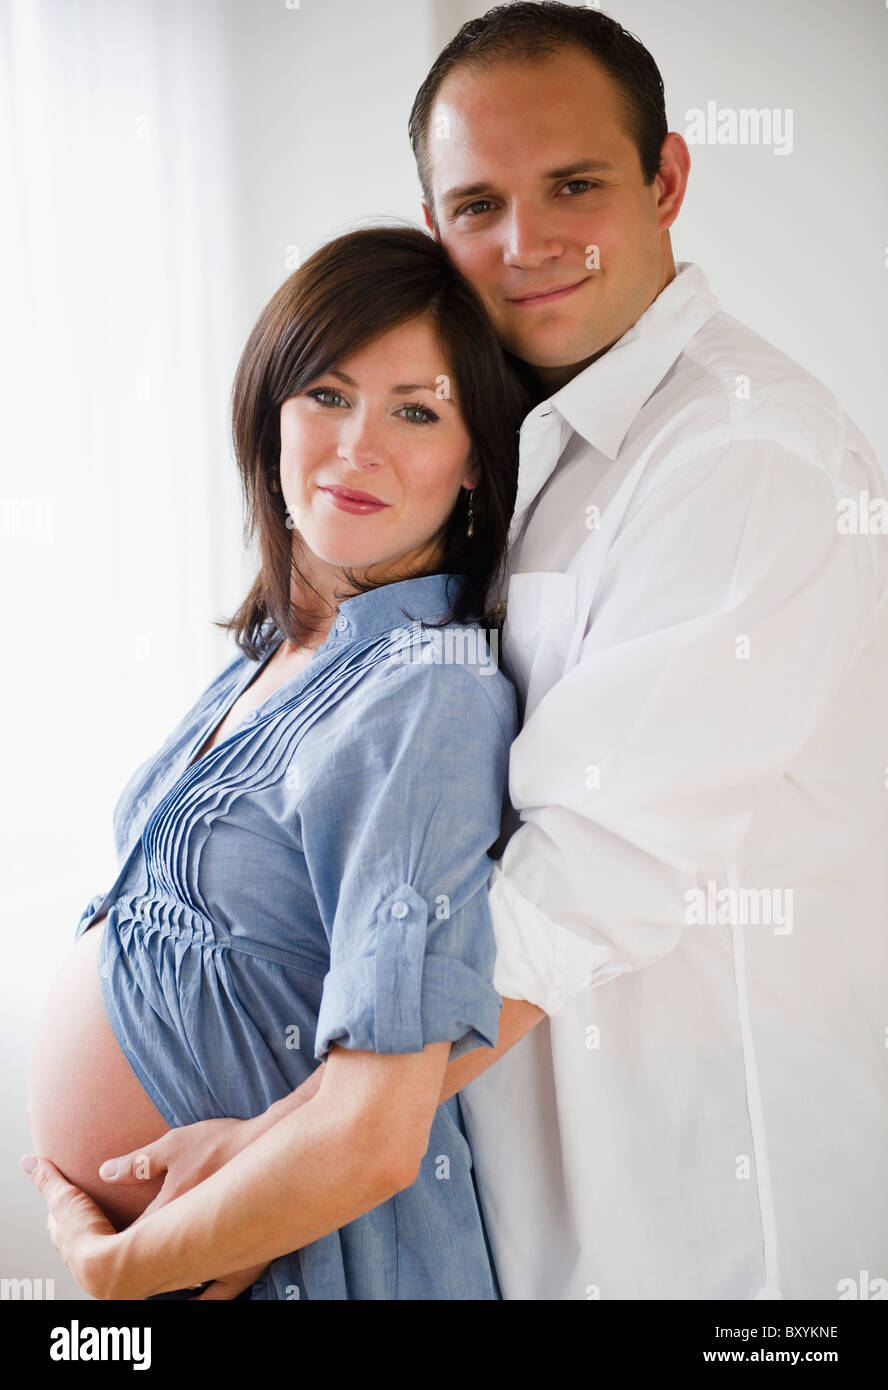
(426, 598)
(602, 401)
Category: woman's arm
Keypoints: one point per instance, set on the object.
(356, 1143)
(517, 1017)
(190, 1154)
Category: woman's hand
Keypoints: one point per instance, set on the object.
(186, 1156)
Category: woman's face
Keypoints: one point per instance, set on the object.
(385, 423)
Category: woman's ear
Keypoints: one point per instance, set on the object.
(473, 477)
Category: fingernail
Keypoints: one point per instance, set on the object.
(28, 1163)
(108, 1168)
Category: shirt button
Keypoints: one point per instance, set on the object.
(341, 624)
(104, 972)
(400, 910)
(250, 714)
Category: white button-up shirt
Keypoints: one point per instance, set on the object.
(696, 890)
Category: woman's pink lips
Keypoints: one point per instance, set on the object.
(347, 503)
(548, 298)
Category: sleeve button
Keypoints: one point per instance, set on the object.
(400, 909)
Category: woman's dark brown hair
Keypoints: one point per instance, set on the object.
(349, 292)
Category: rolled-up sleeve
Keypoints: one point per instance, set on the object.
(396, 828)
(726, 618)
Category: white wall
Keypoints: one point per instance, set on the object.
(794, 245)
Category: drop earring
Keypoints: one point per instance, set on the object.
(470, 529)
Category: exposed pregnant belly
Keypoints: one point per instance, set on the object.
(86, 1103)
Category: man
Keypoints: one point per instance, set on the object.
(691, 904)
(696, 892)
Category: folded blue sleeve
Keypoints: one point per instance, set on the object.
(396, 828)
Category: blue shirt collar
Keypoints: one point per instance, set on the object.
(426, 598)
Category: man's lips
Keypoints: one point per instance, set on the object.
(547, 296)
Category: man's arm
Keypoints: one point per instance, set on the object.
(517, 1017)
(724, 625)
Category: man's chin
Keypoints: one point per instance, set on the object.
(550, 365)
(553, 349)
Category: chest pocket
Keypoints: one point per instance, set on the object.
(540, 621)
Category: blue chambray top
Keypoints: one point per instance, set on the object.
(320, 877)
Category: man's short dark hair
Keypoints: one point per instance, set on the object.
(532, 33)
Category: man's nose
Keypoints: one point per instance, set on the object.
(529, 237)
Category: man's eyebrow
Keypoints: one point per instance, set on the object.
(581, 166)
(402, 390)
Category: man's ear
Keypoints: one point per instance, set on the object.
(672, 180)
(429, 220)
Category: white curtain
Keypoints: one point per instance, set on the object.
(119, 511)
(118, 504)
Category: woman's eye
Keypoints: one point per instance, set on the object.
(424, 416)
(320, 391)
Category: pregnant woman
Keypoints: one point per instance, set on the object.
(304, 862)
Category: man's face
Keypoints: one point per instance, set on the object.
(537, 186)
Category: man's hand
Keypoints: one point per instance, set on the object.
(78, 1228)
(88, 1243)
(517, 1017)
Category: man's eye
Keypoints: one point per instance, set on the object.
(425, 416)
(586, 183)
(479, 202)
(318, 391)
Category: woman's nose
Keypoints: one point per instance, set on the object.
(361, 442)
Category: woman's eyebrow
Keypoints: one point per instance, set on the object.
(416, 386)
(403, 390)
